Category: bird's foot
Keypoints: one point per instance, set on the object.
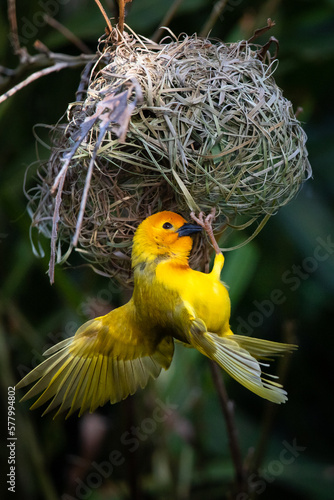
(206, 223)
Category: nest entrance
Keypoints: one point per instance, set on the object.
(186, 124)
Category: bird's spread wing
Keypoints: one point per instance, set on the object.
(240, 356)
(105, 360)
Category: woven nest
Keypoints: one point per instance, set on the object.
(187, 124)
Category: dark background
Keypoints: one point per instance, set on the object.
(182, 453)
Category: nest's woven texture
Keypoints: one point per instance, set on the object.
(184, 125)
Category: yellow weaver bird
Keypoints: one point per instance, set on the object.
(109, 357)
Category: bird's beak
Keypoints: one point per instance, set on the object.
(188, 229)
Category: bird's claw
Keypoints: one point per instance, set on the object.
(206, 223)
(199, 220)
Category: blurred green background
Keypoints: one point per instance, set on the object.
(136, 449)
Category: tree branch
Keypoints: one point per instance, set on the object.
(54, 62)
(228, 412)
(289, 336)
(51, 21)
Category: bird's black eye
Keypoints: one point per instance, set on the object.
(167, 225)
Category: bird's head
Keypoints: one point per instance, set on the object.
(164, 233)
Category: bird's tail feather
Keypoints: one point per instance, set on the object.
(240, 357)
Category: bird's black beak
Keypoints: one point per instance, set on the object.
(188, 229)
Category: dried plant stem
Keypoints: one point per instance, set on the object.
(83, 202)
(227, 409)
(227, 406)
(271, 409)
(33, 77)
(54, 62)
(84, 81)
(260, 31)
(14, 37)
(55, 220)
(51, 21)
(166, 19)
(121, 15)
(132, 464)
(11, 10)
(49, 62)
(215, 13)
(106, 18)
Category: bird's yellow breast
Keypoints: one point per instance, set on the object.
(203, 293)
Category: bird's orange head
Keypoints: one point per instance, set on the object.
(164, 233)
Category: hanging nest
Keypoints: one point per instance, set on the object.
(186, 124)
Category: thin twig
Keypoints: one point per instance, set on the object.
(166, 20)
(106, 18)
(215, 13)
(260, 31)
(121, 15)
(32, 78)
(271, 409)
(55, 221)
(228, 412)
(133, 472)
(11, 10)
(51, 21)
(14, 36)
(54, 62)
(264, 51)
(84, 81)
(226, 404)
(83, 201)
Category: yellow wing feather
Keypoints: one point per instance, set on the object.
(107, 359)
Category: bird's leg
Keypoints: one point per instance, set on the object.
(206, 224)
